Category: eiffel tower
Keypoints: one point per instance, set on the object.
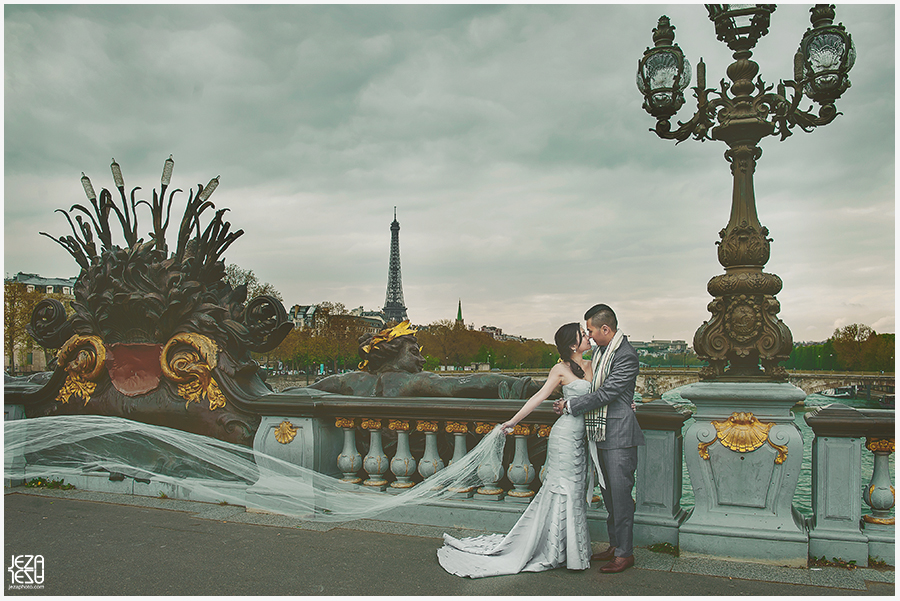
(394, 309)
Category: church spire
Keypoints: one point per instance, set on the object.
(459, 318)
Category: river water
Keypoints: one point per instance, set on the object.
(803, 494)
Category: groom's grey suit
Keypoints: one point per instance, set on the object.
(618, 452)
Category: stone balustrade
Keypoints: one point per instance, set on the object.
(424, 435)
(391, 444)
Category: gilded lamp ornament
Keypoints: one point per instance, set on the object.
(745, 340)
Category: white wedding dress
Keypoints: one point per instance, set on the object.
(553, 529)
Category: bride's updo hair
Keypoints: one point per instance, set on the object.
(568, 336)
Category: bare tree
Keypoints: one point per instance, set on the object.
(237, 276)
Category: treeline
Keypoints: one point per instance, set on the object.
(856, 347)
(333, 342)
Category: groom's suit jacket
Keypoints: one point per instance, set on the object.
(616, 393)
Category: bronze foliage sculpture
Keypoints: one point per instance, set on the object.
(156, 336)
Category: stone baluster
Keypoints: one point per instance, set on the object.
(375, 462)
(431, 462)
(349, 462)
(490, 472)
(520, 471)
(459, 430)
(543, 431)
(403, 465)
(879, 495)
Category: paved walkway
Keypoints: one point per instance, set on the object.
(108, 544)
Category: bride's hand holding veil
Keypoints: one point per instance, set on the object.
(507, 427)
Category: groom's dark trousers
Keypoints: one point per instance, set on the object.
(618, 452)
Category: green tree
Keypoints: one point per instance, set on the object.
(880, 353)
(850, 343)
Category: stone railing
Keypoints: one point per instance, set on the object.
(836, 529)
(390, 444)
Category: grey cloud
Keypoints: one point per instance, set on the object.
(511, 138)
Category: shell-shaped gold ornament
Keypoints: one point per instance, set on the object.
(742, 432)
(285, 432)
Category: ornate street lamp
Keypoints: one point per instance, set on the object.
(744, 330)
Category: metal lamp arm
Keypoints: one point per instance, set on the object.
(697, 126)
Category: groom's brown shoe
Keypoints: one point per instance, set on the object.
(604, 555)
(619, 564)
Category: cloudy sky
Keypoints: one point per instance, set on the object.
(511, 139)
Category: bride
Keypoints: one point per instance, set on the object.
(553, 529)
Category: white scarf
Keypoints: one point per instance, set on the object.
(595, 419)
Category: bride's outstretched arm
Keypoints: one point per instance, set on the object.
(554, 379)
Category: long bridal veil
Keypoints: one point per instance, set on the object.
(205, 468)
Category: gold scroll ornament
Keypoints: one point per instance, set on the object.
(456, 428)
(84, 358)
(743, 432)
(191, 368)
(484, 427)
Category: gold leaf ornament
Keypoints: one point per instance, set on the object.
(401, 329)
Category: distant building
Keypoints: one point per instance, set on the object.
(373, 320)
(497, 334)
(34, 282)
(303, 316)
(31, 357)
(659, 348)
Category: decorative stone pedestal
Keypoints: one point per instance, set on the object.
(296, 441)
(834, 531)
(13, 463)
(658, 513)
(744, 455)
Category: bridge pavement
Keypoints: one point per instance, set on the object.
(106, 544)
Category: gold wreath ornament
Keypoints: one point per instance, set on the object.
(401, 329)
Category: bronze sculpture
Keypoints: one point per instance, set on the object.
(156, 336)
(392, 367)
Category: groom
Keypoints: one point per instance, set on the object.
(612, 425)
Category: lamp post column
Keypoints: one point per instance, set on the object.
(743, 451)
